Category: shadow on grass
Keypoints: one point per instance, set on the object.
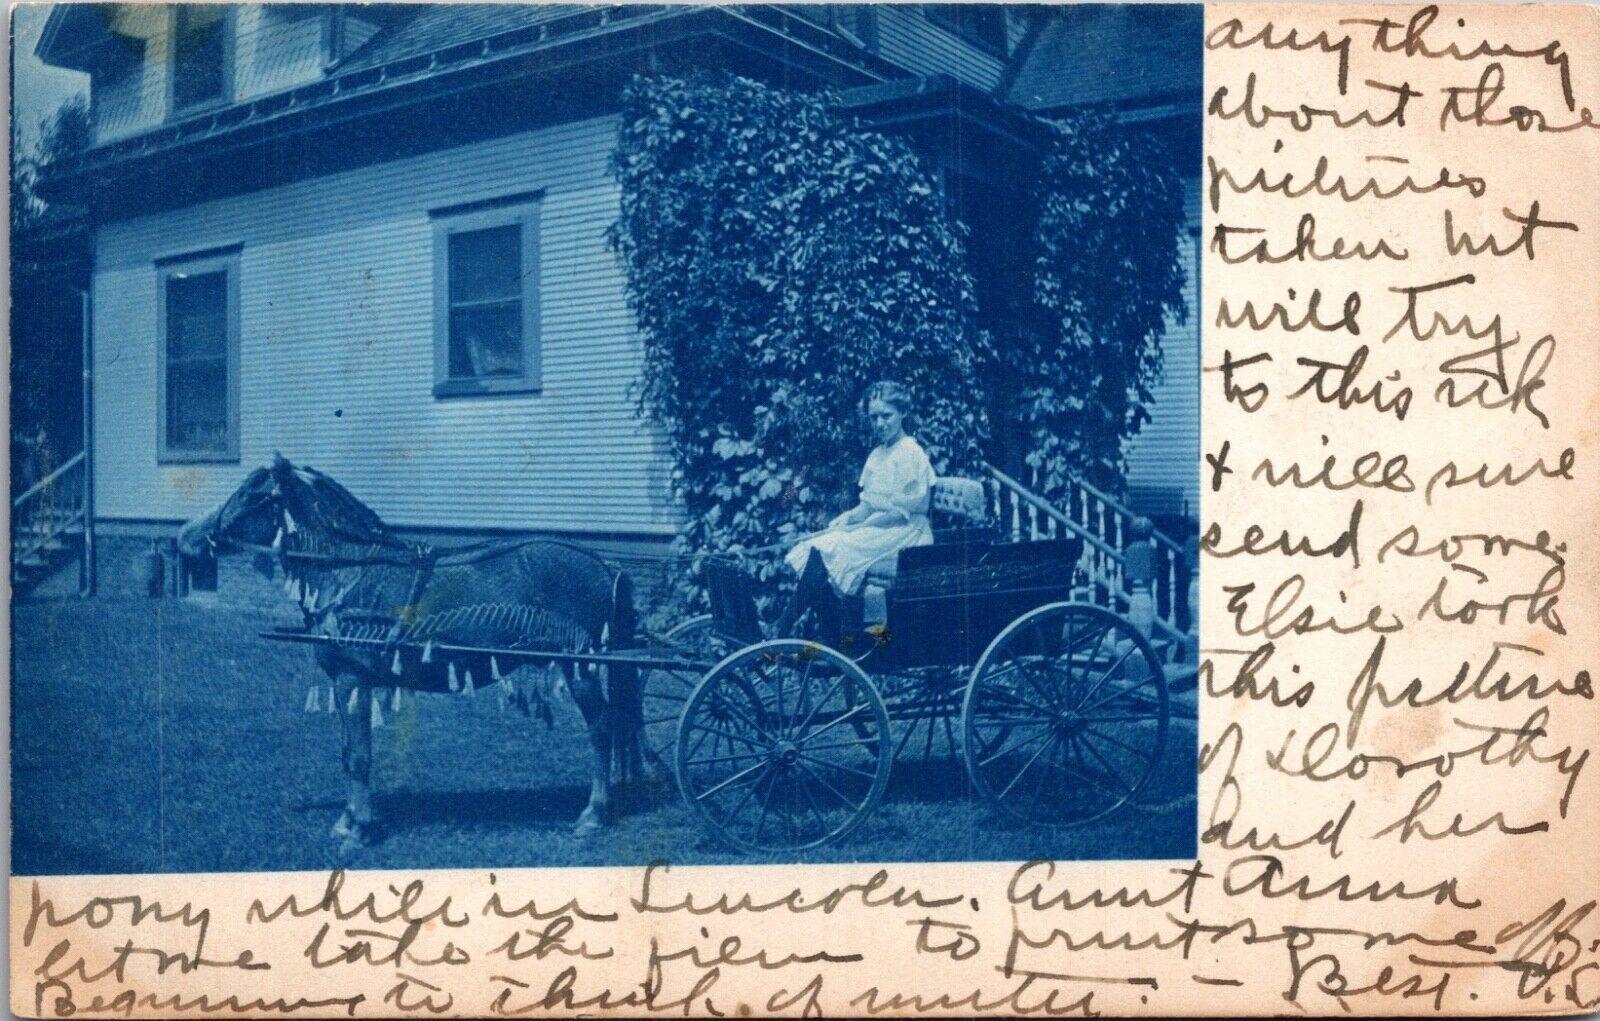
(548, 808)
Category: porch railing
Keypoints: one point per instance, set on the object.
(51, 517)
(1108, 529)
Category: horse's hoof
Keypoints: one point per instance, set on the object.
(353, 834)
(588, 825)
(342, 826)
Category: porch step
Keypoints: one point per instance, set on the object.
(42, 562)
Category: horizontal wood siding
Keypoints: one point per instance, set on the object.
(276, 47)
(357, 30)
(336, 309)
(1164, 459)
(137, 99)
(908, 39)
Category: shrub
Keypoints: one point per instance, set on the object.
(1108, 277)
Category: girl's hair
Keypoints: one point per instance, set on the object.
(893, 394)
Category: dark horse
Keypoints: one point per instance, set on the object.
(353, 577)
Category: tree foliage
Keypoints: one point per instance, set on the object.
(63, 136)
(1108, 278)
(779, 258)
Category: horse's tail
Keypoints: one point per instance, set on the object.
(627, 693)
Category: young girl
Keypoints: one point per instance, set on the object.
(892, 514)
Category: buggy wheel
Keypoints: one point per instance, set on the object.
(783, 746)
(665, 692)
(1065, 717)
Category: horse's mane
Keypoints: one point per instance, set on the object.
(329, 504)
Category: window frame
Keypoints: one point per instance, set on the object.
(225, 260)
(522, 210)
(940, 17)
(229, 28)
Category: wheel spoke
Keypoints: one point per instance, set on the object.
(1015, 721)
(1121, 719)
(816, 810)
(700, 741)
(1014, 748)
(730, 780)
(725, 735)
(718, 759)
(905, 738)
(766, 803)
(835, 765)
(721, 700)
(830, 788)
(829, 725)
(800, 695)
(1132, 648)
(1119, 741)
(1040, 686)
(748, 794)
(1073, 645)
(1087, 707)
(822, 702)
(1044, 774)
(777, 693)
(949, 732)
(1111, 771)
(1010, 693)
(1087, 773)
(1026, 766)
(863, 742)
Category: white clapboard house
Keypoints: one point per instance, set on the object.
(287, 202)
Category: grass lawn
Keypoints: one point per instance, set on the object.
(165, 736)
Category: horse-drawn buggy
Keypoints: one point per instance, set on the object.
(1058, 709)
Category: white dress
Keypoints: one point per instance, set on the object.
(895, 483)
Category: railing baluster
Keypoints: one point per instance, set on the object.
(1172, 588)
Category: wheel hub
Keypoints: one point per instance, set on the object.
(785, 752)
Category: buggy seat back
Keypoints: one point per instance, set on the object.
(958, 512)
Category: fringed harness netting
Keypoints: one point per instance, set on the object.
(393, 604)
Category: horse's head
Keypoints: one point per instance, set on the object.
(275, 504)
(252, 515)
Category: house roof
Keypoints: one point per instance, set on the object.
(1081, 57)
(437, 27)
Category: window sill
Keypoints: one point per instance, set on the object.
(197, 109)
(197, 457)
(451, 389)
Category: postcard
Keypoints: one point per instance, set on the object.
(803, 510)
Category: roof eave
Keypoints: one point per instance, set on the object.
(462, 66)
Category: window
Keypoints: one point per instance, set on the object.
(198, 371)
(855, 22)
(486, 298)
(201, 55)
(981, 24)
(858, 22)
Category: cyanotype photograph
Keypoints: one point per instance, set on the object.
(495, 436)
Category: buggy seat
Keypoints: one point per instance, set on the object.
(958, 511)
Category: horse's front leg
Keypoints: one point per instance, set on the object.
(587, 692)
(356, 827)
